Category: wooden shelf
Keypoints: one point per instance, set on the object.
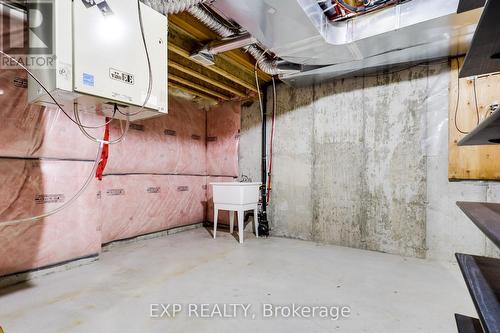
(486, 216)
(482, 276)
(468, 325)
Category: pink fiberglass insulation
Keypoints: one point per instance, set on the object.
(223, 129)
(134, 205)
(32, 187)
(223, 215)
(170, 144)
(36, 131)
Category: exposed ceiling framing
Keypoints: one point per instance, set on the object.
(231, 77)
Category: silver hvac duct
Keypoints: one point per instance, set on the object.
(205, 55)
(230, 43)
(298, 31)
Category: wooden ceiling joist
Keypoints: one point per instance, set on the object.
(222, 72)
(190, 26)
(192, 91)
(231, 76)
(196, 86)
(205, 78)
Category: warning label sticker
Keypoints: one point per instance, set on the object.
(115, 191)
(41, 199)
(153, 190)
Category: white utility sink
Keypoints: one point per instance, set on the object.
(236, 193)
(236, 197)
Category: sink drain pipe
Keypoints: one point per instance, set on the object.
(263, 222)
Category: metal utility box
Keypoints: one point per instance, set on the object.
(100, 58)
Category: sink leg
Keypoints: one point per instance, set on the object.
(241, 224)
(216, 215)
(256, 222)
(231, 222)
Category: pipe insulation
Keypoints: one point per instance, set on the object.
(211, 22)
(265, 64)
(169, 7)
(205, 17)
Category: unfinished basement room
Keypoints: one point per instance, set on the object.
(226, 166)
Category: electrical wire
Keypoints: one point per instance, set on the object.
(475, 102)
(271, 143)
(350, 11)
(150, 70)
(48, 93)
(458, 101)
(92, 138)
(128, 115)
(67, 203)
(82, 128)
(258, 85)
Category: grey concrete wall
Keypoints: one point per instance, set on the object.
(362, 162)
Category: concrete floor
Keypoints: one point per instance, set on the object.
(386, 293)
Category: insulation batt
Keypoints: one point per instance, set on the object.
(171, 144)
(135, 205)
(32, 187)
(37, 131)
(223, 215)
(223, 127)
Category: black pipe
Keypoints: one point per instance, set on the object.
(263, 222)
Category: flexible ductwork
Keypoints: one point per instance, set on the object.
(266, 65)
(169, 7)
(207, 19)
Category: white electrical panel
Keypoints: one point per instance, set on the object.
(100, 59)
